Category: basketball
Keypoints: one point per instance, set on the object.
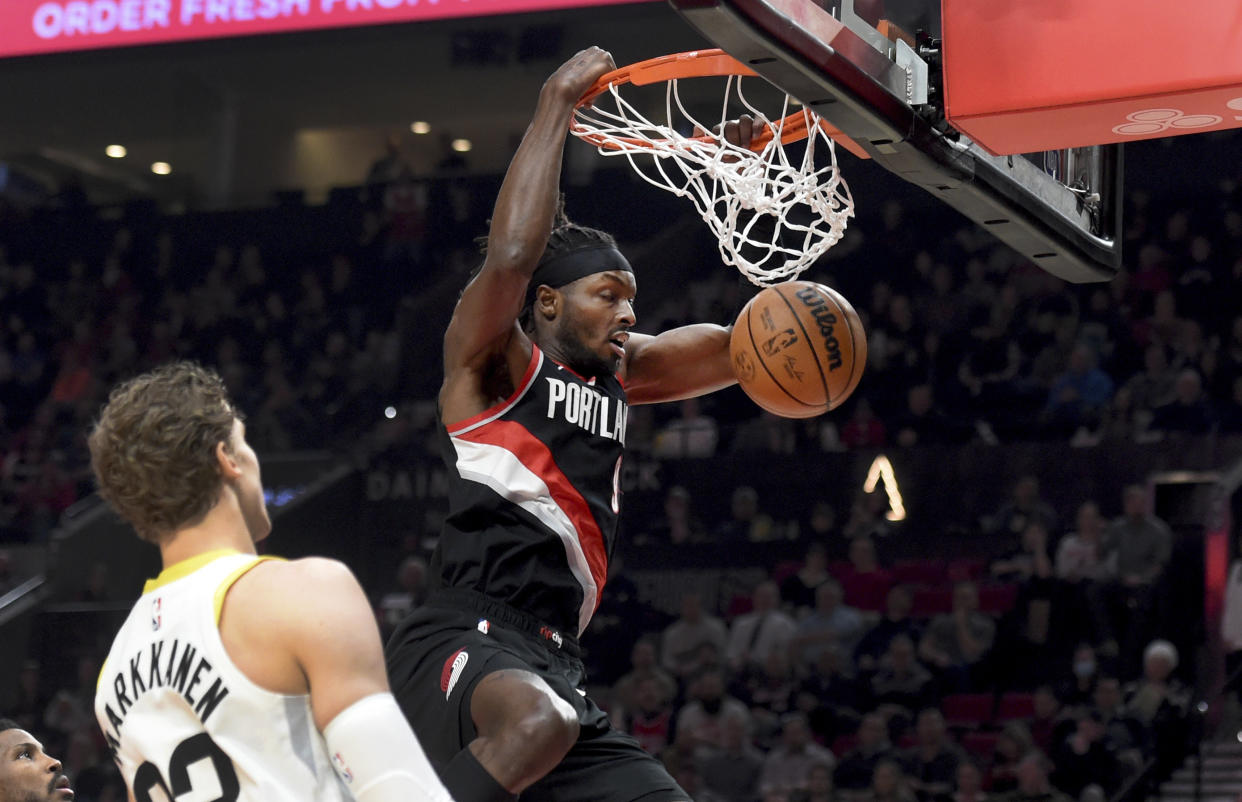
(798, 349)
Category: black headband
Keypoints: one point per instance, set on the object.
(569, 267)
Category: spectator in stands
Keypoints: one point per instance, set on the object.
(798, 589)
(968, 784)
(1080, 394)
(1026, 505)
(1125, 734)
(896, 621)
(1189, 412)
(1078, 689)
(1049, 725)
(831, 625)
(702, 720)
(788, 766)
(27, 773)
(391, 165)
(830, 698)
(766, 434)
(28, 699)
(1139, 545)
(643, 667)
(746, 521)
(733, 772)
(901, 682)
(687, 643)
(410, 593)
(865, 582)
(1152, 387)
(1158, 697)
(854, 771)
(931, 764)
(1085, 757)
(1080, 554)
(1033, 784)
(1031, 560)
(771, 693)
(692, 435)
(1012, 744)
(765, 629)
(956, 642)
(818, 785)
(867, 517)
(889, 783)
(863, 429)
(991, 363)
(678, 524)
(821, 522)
(922, 423)
(649, 718)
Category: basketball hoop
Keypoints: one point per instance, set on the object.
(773, 215)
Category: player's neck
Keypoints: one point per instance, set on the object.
(223, 527)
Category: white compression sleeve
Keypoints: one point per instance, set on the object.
(377, 755)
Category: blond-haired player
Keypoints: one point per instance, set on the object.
(235, 676)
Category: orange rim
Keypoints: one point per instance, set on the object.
(699, 64)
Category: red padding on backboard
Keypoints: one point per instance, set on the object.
(1031, 75)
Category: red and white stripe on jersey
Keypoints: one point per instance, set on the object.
(506, 457)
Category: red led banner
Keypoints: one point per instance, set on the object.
(29, 27)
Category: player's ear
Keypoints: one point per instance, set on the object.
(229, 468)
(547, 302)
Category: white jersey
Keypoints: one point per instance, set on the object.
(181, 719)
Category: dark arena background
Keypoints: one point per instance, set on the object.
(296, 206)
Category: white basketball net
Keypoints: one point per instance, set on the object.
(723, 180)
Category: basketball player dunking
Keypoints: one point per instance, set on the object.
(235, 677)
(540, 364)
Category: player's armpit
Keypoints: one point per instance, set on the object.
(681, 363)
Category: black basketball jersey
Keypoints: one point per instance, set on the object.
(534, 495)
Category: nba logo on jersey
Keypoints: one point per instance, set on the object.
(341, 768)
(156, 603)
(484, 625)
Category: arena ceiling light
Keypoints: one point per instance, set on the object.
(161, 168)
(462, 145)
(116, 151)
(420, 127)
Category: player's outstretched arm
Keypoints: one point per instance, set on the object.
(318, 621)
(485, 320)
(691, 360)
(680, 363)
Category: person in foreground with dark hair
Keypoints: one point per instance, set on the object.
(267, 674)
(27, 773)
(540, 364)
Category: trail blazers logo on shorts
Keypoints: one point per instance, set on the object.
(452, 671)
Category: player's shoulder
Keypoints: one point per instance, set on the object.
(305, 577)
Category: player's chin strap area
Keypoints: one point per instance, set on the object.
(377, 756)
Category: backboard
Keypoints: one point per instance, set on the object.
(883, 88)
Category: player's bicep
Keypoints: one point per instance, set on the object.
(335, 638)
(486, 316)
(681, 363)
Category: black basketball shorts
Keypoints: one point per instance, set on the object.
(439, 654)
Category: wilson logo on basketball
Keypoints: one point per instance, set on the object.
(452, 671)
(826, 320)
